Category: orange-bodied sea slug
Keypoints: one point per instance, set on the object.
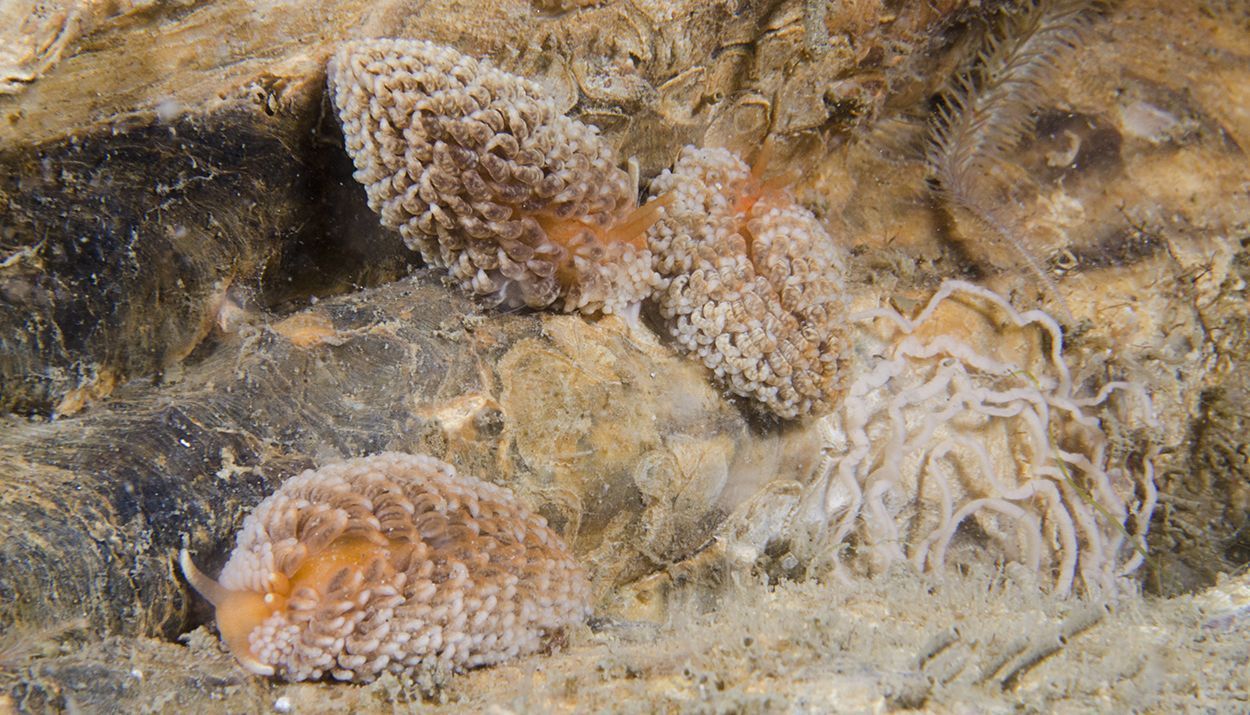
(390, 563)
(751, 283)
(480, 172)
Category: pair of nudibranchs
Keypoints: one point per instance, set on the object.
(479, 171)
(395, 562)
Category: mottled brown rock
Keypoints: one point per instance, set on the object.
(121, 245)
(123, 239)
(559, 410)
(1200, 532)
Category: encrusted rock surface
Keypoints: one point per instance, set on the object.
(136, 198)
(1131, 189)
(559, 410)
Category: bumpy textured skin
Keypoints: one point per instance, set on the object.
(472, 577)
(751, 284)
(481, 173)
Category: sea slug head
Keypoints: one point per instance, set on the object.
(238, 613)
(480, 171)
(241, 612)
(762, 187)
(604, 266)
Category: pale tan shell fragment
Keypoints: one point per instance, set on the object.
(480, 172)
(392, 563)
(750, 283)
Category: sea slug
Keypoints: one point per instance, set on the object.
(390, 563)
(480, 172)
(751, 283)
